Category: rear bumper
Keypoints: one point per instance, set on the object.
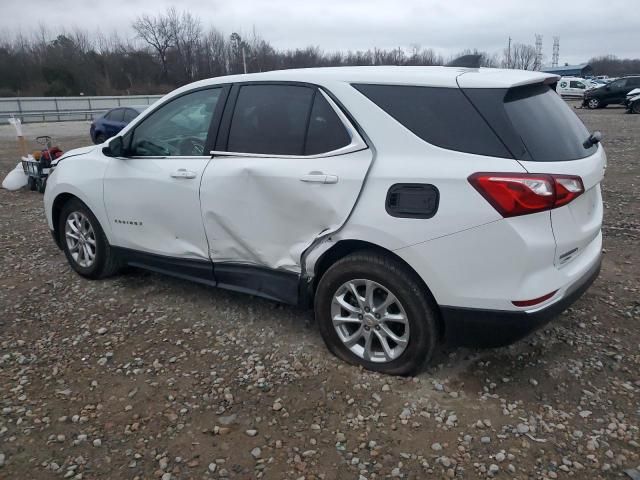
(494, 328)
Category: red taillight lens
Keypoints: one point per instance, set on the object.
(513, 194)
(533, 301)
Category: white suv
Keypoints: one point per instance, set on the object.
(408, 205)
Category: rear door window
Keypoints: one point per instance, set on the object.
(577, 85)
(326, 131)
(270, 119)
(441, 116)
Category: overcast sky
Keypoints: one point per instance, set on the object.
(586, 28)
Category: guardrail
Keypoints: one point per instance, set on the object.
(60, 109)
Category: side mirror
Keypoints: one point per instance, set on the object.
(115, 148)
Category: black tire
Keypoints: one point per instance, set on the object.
(594, 103)
(31, 183)
(420, 309)
(635, 107)
(105, 262)
(100, 138)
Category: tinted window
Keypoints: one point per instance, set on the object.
(326, 131)
(577, 85)
(618, 84)
(115, 115)
(440, 116)
(270, 119)
(633, 82)
(548, 128)
(129, 115)
(177, 128)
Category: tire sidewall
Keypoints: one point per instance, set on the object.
(596, 102)
(94, 270)
(420, 316)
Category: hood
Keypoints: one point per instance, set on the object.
(74, 153)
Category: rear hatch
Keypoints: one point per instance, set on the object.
(545, 136)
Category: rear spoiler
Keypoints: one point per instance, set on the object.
(502, 78)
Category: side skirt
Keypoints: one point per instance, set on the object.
(278, 285)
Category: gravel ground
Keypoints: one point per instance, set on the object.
(144, 376)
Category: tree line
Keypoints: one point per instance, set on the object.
(173, 48)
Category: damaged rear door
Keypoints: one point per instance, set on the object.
(288, 166)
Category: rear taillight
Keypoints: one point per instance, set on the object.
(513, 194)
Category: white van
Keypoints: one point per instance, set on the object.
(572, 87)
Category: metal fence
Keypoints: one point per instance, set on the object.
(59, 109)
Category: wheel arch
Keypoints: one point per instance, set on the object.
(342, 248)
(56, 208)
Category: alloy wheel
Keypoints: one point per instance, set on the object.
(370, 320)
(81, 239)
(593, 103)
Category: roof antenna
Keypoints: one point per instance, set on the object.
(467, 61)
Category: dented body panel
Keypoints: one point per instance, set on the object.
(261, 211)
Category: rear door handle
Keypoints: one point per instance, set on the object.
(183, 173)
(319, 177)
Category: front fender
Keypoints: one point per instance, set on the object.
(81, 176)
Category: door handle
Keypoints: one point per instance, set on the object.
(319, 177)
(183, 173)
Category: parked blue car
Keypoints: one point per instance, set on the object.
(106, 126)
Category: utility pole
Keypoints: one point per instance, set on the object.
(509, 54)
(244, 60)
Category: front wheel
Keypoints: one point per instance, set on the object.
(85, 245)
(593, 103)
(373, 311)
(635, 107)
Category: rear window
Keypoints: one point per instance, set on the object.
(533, 122)
(548, 128)
(441, 116)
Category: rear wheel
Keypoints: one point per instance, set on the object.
(635, 108)
(373, 311)
(593, 103)
(84, 243)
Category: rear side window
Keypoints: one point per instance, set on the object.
(326, 132)
(129, 115)
(633, 82)
(573, 84)
(115, 115)
(270, 119)
(441, 116)
(548, 128)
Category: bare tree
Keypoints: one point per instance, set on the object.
(156, 32)
(522, 57)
